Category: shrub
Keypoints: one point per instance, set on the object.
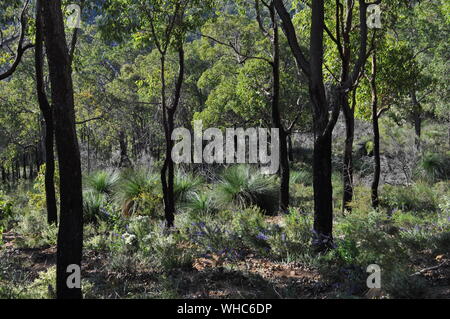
(36, 196)
(139, 193)
(6, 210)
(365, 238)
(200, 204)
(291, 241)
(34, 230)
(301, 177)
(436, 166)
(171, 253)
(250, 228)
(244, 187)
(94, 204)
(185, 186)
(418, 197)
(399, 284)
(102, 182)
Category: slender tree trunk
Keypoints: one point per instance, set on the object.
(276, 118)
(50, 193)
(417, 118)
(124, 160)
(376, 133)
(167, 171)
(24, 164)
(70, 234)
(347, 172)
(290, 148)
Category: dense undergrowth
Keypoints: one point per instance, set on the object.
(226, 222)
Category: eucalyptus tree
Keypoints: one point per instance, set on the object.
(313, 68)
(164, 25)
(258, 86)
(70, 233)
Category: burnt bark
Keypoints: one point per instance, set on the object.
(323, 123)
(347, 170)
(70, 234)
(276, 117)
(44, 105)
(167, 171)
(417, 118)
(376, 134)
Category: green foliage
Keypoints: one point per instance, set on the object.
(400, 284)
(103, 182)
(34, 231)
(243, 187)
(418, 197)
(292, 241)
(94, 204)
(185, 186)
(436, 166)
(6, 211)
(200, 204)
(139, 193)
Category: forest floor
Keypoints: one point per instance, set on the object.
(213, 277)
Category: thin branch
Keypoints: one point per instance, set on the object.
(20, 47)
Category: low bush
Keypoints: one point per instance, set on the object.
(244, 187)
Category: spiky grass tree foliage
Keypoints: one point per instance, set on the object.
(103, 182)
(200, 204)
(243, 187)
(185, 186)
(139, 192)
(436, 166)
(93, 205)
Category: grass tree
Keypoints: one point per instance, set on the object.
(164, 25)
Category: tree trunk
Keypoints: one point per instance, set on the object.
(50, 193)
(124, 160)
(24, 164)
(323, 190)
(167, 171)
(347, 171)
(417, 118)
(70, 234)
(323, 125)
(376, 133)
(276, 118)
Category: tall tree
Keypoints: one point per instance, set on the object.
(322, 103)
(70, 234)
(47, 112)
(163, 25)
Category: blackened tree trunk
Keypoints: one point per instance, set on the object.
(24, 165)
(376, 133)
(417, 118)
(70, 234)
(276, 118)
(167, 171)
(323, 124)
(347, 170)
(44, 105)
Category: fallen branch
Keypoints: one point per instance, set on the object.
(445, 263)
